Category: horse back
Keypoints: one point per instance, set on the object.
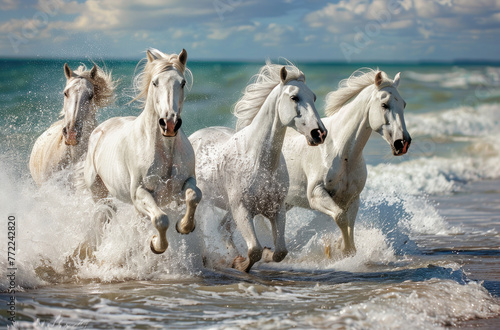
(49, 153)
(108, 158)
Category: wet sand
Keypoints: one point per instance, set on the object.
(479, 255)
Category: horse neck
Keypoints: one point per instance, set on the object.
(76, 152)
(267, 134)
(349, 129)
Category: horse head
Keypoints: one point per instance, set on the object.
(296, 109)
(166, 88)
(78, 103)
(386, 114)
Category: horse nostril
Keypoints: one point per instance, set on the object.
(162, 123)
(399, 144)
(317, 135)
(178, 124)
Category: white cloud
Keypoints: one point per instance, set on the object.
(222, 33)
(275, 34)
(366, 28)
(72, 7)
(13, 25)
(443, 16)
(344, 16)
(113, 18)
(9, 4)
(98, 15)
(255, 27)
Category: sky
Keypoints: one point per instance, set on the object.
(307, 30)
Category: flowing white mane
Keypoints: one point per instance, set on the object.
(352, 86)
(104, 85)
(256, 93)
(161, 63)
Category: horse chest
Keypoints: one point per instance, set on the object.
(165, 189)
(164, 178)
(344, 182)
(264, 193)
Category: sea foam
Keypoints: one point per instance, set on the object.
(480, 121)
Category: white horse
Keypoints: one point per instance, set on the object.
(147, 160)
(330, 178)
(242, 172)
(65, 142)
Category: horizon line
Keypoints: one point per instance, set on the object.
(464, 61)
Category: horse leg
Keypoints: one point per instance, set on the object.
(244, 222)
(105, 208)
(320, 200)
(145, 204)
(348, 225)
(345, 221)
(103, 213)
(226, 228)
(278, 228)
(98, 189)
(193, 197)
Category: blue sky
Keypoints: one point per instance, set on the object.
(341, 30)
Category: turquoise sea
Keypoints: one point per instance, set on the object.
(428, 230)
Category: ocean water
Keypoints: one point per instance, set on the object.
(427, 234)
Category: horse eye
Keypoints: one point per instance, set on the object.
(294, 98)
(66, 93)
(183, 83)
(155, 83)
(385, 106)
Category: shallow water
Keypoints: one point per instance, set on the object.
(427, 234)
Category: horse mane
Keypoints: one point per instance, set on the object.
(149, 69)
(104, 85)
(256, 93)
(352, 86)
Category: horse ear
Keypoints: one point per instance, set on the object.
(150, 56)
(93, 72)
(67, 71)
(283, 74)
(378, 78)
(183, 56)
(397, 78)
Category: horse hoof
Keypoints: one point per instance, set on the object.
(240, 263)
(180, 232)
(347, 253)
(151, 245)
(278, 256)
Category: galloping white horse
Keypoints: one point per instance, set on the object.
(330, 178)
(242, 172)
(66, 141)
(147, 160)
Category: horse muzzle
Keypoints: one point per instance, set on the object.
(317, 137)
(70, 137)
(401, 147)
(169, 127)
